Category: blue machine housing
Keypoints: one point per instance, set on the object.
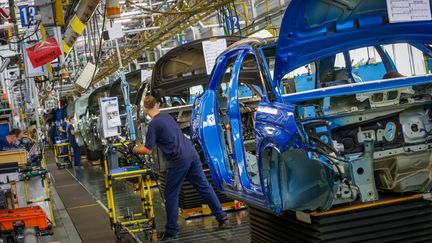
(293, 174)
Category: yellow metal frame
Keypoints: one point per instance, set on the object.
(138, 219)
(57, 152)
(47, 193)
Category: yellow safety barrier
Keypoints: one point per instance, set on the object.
(47, 193)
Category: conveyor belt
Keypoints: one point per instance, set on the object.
(402, 221)
(88, 217)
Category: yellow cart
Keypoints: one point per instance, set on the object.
(63, 160)
(135, 222)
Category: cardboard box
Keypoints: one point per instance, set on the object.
(14, 156)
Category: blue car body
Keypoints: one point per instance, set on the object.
(296, 135)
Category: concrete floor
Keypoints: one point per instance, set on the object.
(64, 230)
(202, 229)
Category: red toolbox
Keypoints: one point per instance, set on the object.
(31, 216)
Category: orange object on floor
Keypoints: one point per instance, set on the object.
(31, 216)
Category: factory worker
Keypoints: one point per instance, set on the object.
(9, 141)
(70, 130)
(183, 163)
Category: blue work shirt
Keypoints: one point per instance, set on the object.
(164, 132)
(64, 126)
(4, 145)
(70, 136)
(53, 131)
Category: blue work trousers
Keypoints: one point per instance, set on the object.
(193, 172)
(76, 152)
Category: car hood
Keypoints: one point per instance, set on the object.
(312, 29)
(183, 67)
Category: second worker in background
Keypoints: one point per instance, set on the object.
(70, 130)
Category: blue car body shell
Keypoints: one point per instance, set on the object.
(310, 30)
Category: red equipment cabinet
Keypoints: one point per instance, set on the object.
(31, 216)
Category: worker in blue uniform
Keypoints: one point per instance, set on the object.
(70, 130)
(9, 141)
(183, 163)
(63, 135)
(63, 129)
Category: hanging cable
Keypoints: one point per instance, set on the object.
(100, 44)
(25, 37)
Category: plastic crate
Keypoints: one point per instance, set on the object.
(31, 216)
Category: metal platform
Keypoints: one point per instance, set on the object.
(407, 219)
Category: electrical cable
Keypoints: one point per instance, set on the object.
(429, 133)
(25, 37)
(325, 144)
(100, 44)
(153, 175)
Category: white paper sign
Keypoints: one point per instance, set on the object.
(86, 75)
(145, 74)
(212, 49)
(109, 116)
(408, 10)
(113, 115)
(115, 31)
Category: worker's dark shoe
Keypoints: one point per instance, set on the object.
(224, 223)
(167, 237)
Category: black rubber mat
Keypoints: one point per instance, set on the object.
(89, 218)
(189, 197)
(406, 221)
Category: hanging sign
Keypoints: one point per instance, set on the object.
(43, 52)
(408, 10)
(212, 49)
(28, 15)
(109, 116)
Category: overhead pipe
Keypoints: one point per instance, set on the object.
(141, 29)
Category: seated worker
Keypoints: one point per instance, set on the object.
(8, 142)
(184, 163)
(71, 136)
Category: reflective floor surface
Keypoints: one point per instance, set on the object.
(202, 229)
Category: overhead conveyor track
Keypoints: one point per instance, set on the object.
(189, 12)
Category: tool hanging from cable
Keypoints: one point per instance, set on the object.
(126, 95)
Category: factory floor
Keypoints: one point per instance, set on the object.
(82, 191)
